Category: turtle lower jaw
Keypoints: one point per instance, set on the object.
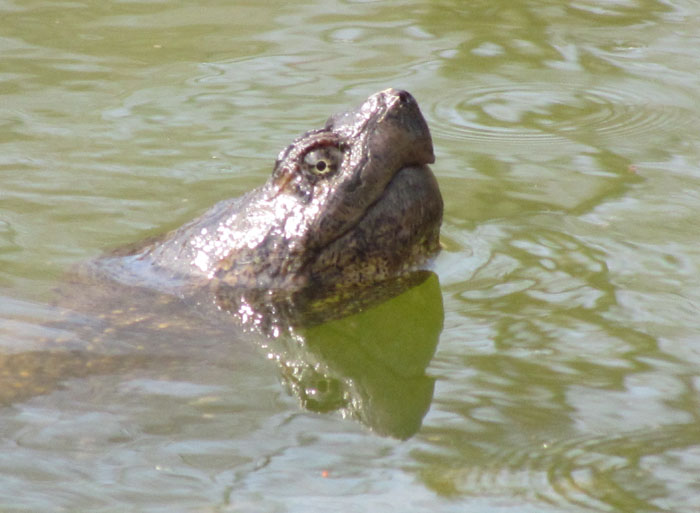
(398, 232)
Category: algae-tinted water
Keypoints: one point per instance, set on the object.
(565, 375)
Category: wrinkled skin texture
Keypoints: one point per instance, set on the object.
(347, 205)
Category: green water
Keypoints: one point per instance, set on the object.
(552, 365)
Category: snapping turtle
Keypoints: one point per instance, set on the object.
(349, 215)
(348, 205)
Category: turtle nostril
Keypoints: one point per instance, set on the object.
(404, 97)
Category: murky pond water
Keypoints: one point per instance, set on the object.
(551, 365)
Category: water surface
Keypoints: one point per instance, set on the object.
(551, 365)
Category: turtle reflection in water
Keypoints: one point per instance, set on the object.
(350, 214)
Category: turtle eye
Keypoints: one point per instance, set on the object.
(323, 161)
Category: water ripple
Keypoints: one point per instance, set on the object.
(594, 473)
(546, 112)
